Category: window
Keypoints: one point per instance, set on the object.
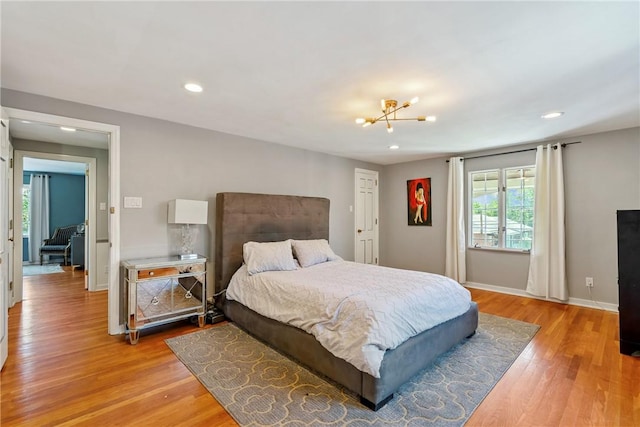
(26, 213)
(502, 208)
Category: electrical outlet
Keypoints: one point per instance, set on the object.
(589, 282)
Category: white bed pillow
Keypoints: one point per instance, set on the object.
(312, 252)
(268, 256)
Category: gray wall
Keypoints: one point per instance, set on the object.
(161, 160)
(602, 175)
(413, 247)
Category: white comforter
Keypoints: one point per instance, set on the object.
(356, 311)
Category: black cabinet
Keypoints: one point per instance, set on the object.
(77, 250)
(629, 280)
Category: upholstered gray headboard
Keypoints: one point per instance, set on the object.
(244, 217)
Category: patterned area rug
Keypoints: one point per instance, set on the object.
(258, 386)
(34, 270)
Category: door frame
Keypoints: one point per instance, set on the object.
(5, 243)
(90, 206)
(114, 324)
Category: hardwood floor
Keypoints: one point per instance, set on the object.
(64, 369)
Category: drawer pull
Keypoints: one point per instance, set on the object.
(188, 295)
(155, 301)
(151, 273)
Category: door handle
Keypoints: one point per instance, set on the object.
(359, 231)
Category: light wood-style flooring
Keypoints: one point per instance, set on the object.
(64, 369)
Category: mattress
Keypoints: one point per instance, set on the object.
(356, 311)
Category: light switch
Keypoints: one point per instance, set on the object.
(133, 202)
(103, 206)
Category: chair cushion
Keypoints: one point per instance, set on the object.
(49, 248)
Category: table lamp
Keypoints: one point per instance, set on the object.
(187, 212)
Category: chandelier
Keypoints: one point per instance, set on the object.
(389, 109)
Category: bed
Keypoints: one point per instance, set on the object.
(246, 217)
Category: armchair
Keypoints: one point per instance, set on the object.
(59, 243)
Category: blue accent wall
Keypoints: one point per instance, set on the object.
(66, 198)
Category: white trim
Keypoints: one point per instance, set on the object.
(114, 324)
(607, 306)
(91, 203)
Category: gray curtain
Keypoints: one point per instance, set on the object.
(38, 215)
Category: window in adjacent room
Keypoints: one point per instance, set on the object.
(502, 208)
(26, 193)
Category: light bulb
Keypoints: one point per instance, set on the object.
(360, 120)
(414, 100)
(389, 128)
(193, 87)
(553, 115)
(431, 118)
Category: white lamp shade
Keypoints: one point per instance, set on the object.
(183, 211)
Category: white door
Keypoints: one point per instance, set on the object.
(87, 246)
(4, 236)
(366, 216)
(11, 251)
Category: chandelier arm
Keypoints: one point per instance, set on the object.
(389, 112)
(392, 119)
(378, 119)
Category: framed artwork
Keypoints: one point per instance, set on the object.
(419, 201)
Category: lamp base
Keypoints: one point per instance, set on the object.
(188, 256)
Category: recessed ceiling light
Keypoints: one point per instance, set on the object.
(394, 147)
(553, 115)
(67, 129)
(193, 87)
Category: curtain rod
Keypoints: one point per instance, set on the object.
(564, 144)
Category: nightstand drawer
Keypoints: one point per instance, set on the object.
(157, 272)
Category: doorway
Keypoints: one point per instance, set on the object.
(71, 186)
(111, 245)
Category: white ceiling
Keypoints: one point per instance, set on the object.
(31, 164)
(299, 73)
(44, 132)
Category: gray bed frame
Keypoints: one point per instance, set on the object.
(243, 217)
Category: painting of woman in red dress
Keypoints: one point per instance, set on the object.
(419, 201)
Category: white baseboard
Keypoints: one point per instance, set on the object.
(521, 293)
(102, 286)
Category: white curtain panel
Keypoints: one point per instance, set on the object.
(455, 257)
(39, 209)
(547, 270)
